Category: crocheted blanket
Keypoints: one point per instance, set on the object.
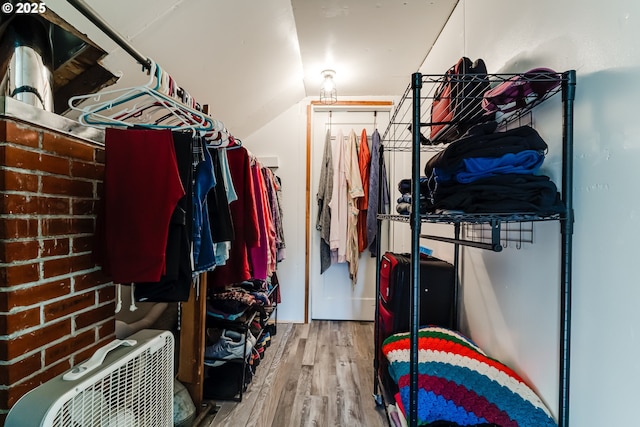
(459, 383)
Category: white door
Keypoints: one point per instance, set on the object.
(332, 294)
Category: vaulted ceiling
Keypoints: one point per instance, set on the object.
(250, 60)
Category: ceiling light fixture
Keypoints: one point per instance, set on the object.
(328, 93)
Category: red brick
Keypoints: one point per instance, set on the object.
(62, 266)
(82, 244)
(69, 346)
(54, 206)
(86, 281)
(10, 396)
(22, 135)
(18, 204)
(14, 228)
(93, 317)
(83, 226)
(66, 146)
(62, 226)
(33, 340)
(56, 226)
(68, 306)
(100, 155)
(107, 293)
(15, 181)
(84, 262)
(93, 171)
(54, 164)
(19, 251)
(55, 247)
(107, 329)
(13, 275)
(17, 157)
(10, 374)
(19, 320)
(57, 267)
(67, 187)
(32, 295)
(84, 207)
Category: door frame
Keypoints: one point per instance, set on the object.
(340, 105)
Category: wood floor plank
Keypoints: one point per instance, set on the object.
(324, 381)
(314, 411)
(319, 374)
(312, 343)
(287, 359)
(234, 414)
(286, 392)
(304, 330)
(303, 391)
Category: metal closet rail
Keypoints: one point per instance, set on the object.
(93, 16)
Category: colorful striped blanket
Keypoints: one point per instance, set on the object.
(459, 383)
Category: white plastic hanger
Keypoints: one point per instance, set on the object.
(139, 105)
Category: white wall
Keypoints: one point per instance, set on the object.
(511, 298)
(285, 138)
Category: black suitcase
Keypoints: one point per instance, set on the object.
(437, 292)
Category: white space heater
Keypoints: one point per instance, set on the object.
(127, 383)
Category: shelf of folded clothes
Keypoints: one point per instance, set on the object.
(485, 177)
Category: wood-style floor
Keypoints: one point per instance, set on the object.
(317, 374)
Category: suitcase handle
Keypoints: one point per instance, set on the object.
(96, 360)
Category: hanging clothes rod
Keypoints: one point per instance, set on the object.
(97, 20)
(103, 25)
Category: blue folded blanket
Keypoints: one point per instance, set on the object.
(473, 168)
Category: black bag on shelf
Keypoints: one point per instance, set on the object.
(457, 102)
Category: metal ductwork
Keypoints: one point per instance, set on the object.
(26, 61)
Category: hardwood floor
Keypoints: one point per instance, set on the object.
(317, 374)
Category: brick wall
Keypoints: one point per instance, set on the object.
(56, 307)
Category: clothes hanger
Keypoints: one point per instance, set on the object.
(123, 105)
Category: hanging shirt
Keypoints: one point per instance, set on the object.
(274, 216)
(323, 197)
(338, 203)
(260, 255)
(226, 174)
(245, 223)
(280, 242)
(374, 185)
(175, 283)
(222, 231)
(204, 182)
(364, 163)
(354, 192)
(142, 189)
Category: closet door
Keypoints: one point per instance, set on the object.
(332, 294)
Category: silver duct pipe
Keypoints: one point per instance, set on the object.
(26, 61)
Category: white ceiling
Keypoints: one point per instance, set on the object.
(250, 60)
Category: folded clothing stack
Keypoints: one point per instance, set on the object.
(404, 201)
(489, 171)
